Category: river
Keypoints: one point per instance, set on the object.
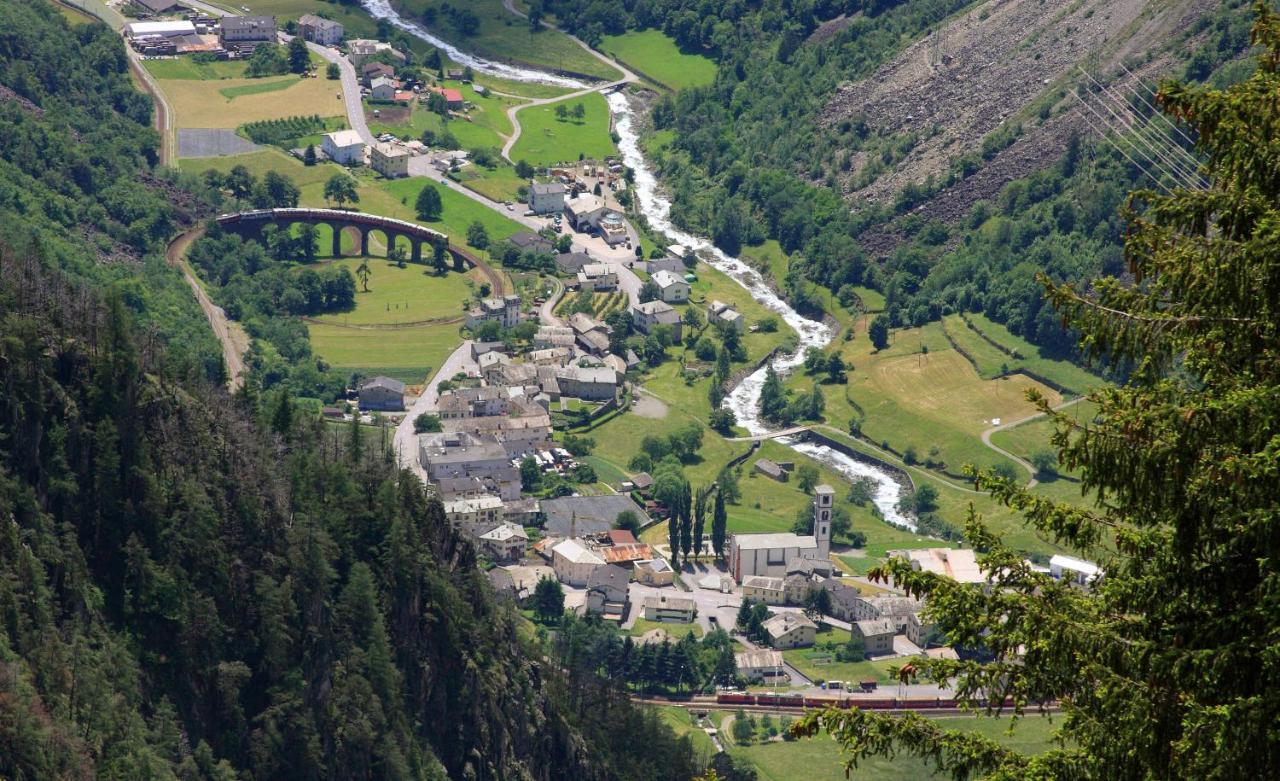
(744, 400)
(381, 9)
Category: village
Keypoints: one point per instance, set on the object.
(490, 431)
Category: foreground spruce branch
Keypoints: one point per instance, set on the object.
(1167, 669)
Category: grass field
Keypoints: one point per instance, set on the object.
(926, 400)
(682, 723)
(187, 68)
(502, 35)
(408, 354)
(395, 295)
(654, 55)
(1065, 374)
(545, 139)
(403, 295)
(72, 15)
(498, 184)
(396, 199)
(820, 758)
(259, 87)
(204, 104)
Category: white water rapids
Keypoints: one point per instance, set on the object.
(745, 398)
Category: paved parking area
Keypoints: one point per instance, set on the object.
(195, 142)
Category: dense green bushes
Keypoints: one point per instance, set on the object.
(279, 131)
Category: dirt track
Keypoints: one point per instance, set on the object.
(234, 341)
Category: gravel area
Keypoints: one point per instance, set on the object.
(212, 143)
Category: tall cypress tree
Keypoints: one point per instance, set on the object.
(686, 521)
(1166, 667)
(719, 520)
(673, 534)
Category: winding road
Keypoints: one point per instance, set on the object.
(1027, 465)
(627, 78)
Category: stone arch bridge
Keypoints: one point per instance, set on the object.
(339, 220)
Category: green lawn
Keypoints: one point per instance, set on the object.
(265, 85)
(677, 631)
(656, 57)
(408, 354)
(499, 184)
(188, 68)
(1064, 373)
(503, 35)
(820, 758)
(403, 295)
(546, 139)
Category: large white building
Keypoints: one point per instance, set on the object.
(344, 147)
(164, 29)
(771, 554)
(574, 562)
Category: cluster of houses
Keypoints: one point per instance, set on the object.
(501, 417)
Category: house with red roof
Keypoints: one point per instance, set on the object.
(452, 97)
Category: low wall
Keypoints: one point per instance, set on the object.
(902, 476)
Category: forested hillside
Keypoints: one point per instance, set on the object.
(893, 143)
(199, 587)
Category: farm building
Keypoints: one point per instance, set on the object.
(382, 393)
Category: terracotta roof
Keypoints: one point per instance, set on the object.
(615, 554)
(620, 536)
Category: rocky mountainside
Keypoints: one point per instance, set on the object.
(1002, 73)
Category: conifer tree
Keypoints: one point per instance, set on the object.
(1166, 667)
(719, 520)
